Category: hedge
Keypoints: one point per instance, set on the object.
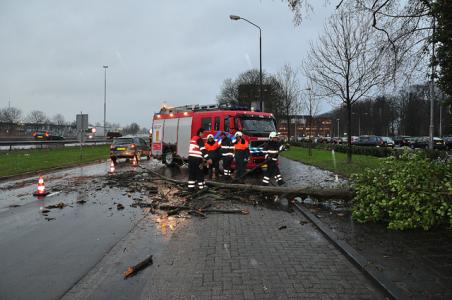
(373, 151)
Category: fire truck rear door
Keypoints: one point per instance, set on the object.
(184, 136)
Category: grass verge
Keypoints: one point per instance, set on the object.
(22, 161)
(324, 159)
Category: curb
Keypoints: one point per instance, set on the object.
(357, 259)
(46, 171)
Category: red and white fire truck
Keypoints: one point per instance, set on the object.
(173, 127)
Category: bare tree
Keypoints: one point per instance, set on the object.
(348, 62)
(37, 117)
(229, 92)
(59, 119)
(241, 90)
(289, 103)
(10, 115)
(133, 128)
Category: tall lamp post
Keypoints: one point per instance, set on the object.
(296, 119)
(359, 121)
(105, 99)
(236, 18)
(338, 128)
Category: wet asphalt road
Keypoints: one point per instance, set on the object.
(46, 257)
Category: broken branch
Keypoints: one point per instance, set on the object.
(131, 271)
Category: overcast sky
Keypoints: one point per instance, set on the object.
(52, 52)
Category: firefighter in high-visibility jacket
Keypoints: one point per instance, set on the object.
(196, 154)
(271, 150)
(227, 154)
(241, 154)
(212, 156)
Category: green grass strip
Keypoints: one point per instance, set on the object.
(22, 161)
(324, 159)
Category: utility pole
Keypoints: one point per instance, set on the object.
(105, 99)
(338, 128)
(432, 90)
(441, 117)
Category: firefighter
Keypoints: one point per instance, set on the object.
(271, 150)
(196, 154)
(212, 156)
(227, 154)
(241, 154)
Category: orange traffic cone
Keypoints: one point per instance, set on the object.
(112, 167)
(41, 188)
(134, 161)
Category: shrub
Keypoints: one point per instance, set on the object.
(405, 192)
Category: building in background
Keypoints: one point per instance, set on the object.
(304, 126)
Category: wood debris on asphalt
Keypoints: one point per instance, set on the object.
(166, 196)
(59, 205)
(131, 271)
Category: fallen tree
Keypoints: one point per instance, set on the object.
(317, 193)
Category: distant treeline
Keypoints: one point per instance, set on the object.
(407, 113)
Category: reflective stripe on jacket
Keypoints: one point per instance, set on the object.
(227, 149)
(197, 148)
(272, 149)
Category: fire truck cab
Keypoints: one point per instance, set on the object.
(173, 127)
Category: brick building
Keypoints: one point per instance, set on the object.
(303, 126)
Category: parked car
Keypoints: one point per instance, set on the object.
(448, 142)
(323, 139)
(129, 147)
(46, 135)
(423, 142)
(371, 140)
(402, 140)
(388, 141)
(336, 140)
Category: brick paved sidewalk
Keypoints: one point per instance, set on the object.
(248, 257)
(228, 257)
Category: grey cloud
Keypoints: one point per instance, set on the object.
(176, 51)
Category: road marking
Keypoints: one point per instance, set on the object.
(53, 194)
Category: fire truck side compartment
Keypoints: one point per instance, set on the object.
(157, 135)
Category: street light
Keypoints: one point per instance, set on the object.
(296, 119)
(338, 128)
(359, 121)
(105, 99)
(237, 18)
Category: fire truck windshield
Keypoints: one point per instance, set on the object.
(257, 126)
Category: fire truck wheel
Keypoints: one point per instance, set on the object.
(168, 158)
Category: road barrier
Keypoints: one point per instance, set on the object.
(12, 145)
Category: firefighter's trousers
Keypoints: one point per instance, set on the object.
(272, 171)
(195, 172)
(240, 162)
(227, 161)
(215, 165)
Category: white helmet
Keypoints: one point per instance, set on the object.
(238, 133)
(272, 134)
(210, 136)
